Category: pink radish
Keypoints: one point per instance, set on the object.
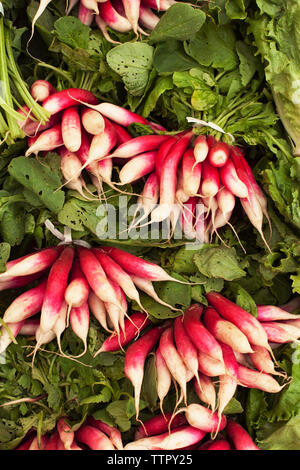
(102, 144)
(202, 418)
(71, 129)
(83, 151)
(43, 338)
(46, 141)
(231, 180)
(185, 348)
(25, 444)
(55, 290)
(29, 327)
(270, 313)
(41, 89)
(210, 366)
(92, 121)
(243, 359)
(148, 18)
(60, 325)
(65, 433)
(217, 444)
(146, 286)
(85, 15)
(103, 28)
(248, 324)
(260, 380)
(138, 145)
(229, 380)
(79, 321)
(132, 12)
(113, 433)
(218, 154)
(77, 291)
(201, 148)
(5, 336)
(168, 179)
(203, 340)
(163, 378)
(281, 332)
(179, 438)
(70, 166)
(26, 305)
(98, 309)
(191, 173)
(159, 424)
(295, 323)
(226, 331)
(137, 167)
(180, 196)
(120, 115)
(15, 282)
(93, 438)
(188, 218)
(91, 5)
(210, 180)
(112, 18)
(137, 322)
(135, 358)
(147, 200)
(162, 153)
(115, 314)
(36, 445)
(262, 361)
(207, 392)
(239, 436)
(66, 98)
(52, 442)
(122, 135)
(160, 5)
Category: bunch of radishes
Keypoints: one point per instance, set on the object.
(75, 280)
(122, 15)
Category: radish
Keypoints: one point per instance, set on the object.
(65, 433)
(226, 331)
(210, 366)
(262, 361)
(66, 98)
(163, 152)
(120, 115)
(26, 305)
(113, 433)
(70, 166)
(202, 339)
(191, 173)
(92, 121)
(93, 438)
(41, 90)
(210, 180)
(292, 305)
(112, 18)
(132, 12)
(159, 424)
(35, 128)
(20, 281)
(231, 180)
(248, 324)
(102, 144)
(218, 444)
(270, 313)
(71, 129)
(173, 360)
(260, 380)
(137, 167)
(85, 15)
(122, 135)
(135, 358)
(205, 390)
(138, 145)
(46, 141)
(5, 336)
(137, 322)
(239, 436)
(147, 200)
(227, 382)
(77, 291)
(201, 148)
(160, 5)
(103, 28)
(188, 218)
(148, 18)
(52, 441)
(56, 286)
(36, 445)
(163, 378)
(29, 327)
(218, 154)
(98, 309)
(79, 321)
(115, 313)
(25, 444)
(281, 332)
(146, 286)
(202, 418)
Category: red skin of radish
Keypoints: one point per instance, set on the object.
(122, 135)
(102, 143)
(55, 290)
(137, 322)
(93, 438)
(218, 154)
(162, 153)
(218, 444)
(20, 281)
(135, 358)
(164, 4)
(52, 442)
(248, 324)
(84, 150)
(185, 347)
(231, 180)
(33, 128)
(270, 313)
(26, 305)
(84, 15)
(35, 445)
(138, 145)
(158, 425)
(25, 445)
(202, 418)
(66, 98)
(260, 380)
(113, 433)
(46, 141)
(277, 334)
(239, 436)
(120, 115)
(137, 167)
(78, 286)
(41, 89)
(112, 18)
(203, 340)
(179, 438)
(210, 180)
(201, 148)
(71, 129)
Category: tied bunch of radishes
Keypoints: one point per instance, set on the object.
(158, 433)
(217, 348)
(122, 15)
(74, 280)
(191, 180)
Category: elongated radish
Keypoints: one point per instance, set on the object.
(146, 286)
(65, 433)
(46, 141)
(29, 327)
(226, 331)
(147, 200)
(98, 309)
(138, 145)
(263, 362)
(25, 444)
(132, 12)
(279, 332)
(102, 144)
(77, 291)
(240, 438)
(26, 305)
(162, 153)
(148, 18)
(246, 322)
(71, 128)
(202, 418)
(5, 336)
(93, 438)
(210, 366)
(180, 196)
(217, 444)
(270, 313)
(168, 179)
(35, 128)
(60, 324)
(191, 173)
(39, 445)
(231, 180)
(201, 148)
(186, 348)
(80, 321)
(15, 282)
(206, 391)
(159, 424)
(70, 166)
(178, 438)
(137, 167)
(41, 89)
(163, 5)
(188, 218)
(92, 121)
(227, 382)
(203, 340)
(135, 358)
(122, 135)
(85, 15)
(295, 323)
(120, 115)
(112, 18)
(210, 180)
(113, 433)
(55, 290)
(52, 441)
(218, 154)
(260, 380)
(66, 98)
(163, 378)
(116, 313)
